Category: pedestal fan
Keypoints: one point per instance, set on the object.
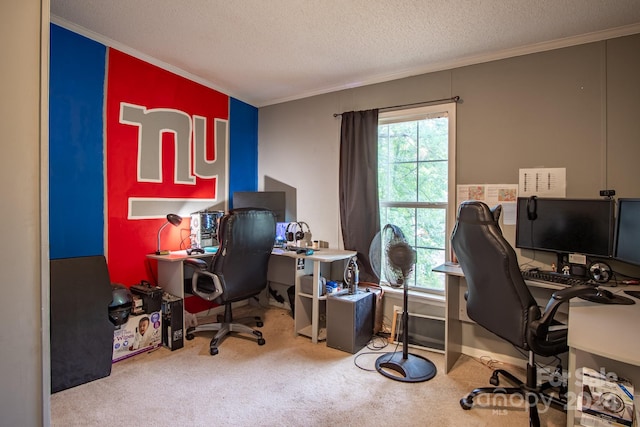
(398, 259)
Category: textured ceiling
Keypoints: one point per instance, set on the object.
(269, 51)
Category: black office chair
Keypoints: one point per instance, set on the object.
(499, 300)
(238, 270)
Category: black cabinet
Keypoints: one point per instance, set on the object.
(81, 333)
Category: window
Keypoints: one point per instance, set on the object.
(416, 173)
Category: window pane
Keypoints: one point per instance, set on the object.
(403, 182)
(433, 139)
(433, 181)
(383, 144)
(431, 228)
(384, 181)
(403, 139)
(426, 260)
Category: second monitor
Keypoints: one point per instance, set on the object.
(275, 201)
(583, 226)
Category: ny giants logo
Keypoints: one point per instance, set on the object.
(191, 162)
(151, 124)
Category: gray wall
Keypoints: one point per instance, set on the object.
(24, 395)
(574, 107)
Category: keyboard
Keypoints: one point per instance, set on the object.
(551, 277)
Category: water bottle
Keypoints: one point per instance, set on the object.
(353, 276)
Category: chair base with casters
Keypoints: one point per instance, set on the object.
(530, 391)
(227, 326)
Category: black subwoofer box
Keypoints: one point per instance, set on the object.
(350, 321)
(81, 332)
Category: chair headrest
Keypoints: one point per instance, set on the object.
(477, 212)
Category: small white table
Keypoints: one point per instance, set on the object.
(307, 306)
(171, 271)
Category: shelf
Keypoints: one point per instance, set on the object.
(320, 298)
(307, 331)
(310, 307)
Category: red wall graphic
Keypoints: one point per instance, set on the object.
(150, 164)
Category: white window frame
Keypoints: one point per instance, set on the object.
(418, 113)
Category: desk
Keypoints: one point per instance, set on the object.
(307, 313)
(456, 310)
(599, 335)
(171, 271)
(307, 306)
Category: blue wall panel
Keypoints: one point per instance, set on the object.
(243, 152)
(76, 174)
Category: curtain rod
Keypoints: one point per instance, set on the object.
(435, 101)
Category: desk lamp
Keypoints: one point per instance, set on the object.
(172, 219)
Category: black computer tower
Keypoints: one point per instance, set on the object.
(172, 321)
(350, 321)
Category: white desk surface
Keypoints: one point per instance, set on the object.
(322, 255)
(175, 256)
(449, 268)
(612, 331)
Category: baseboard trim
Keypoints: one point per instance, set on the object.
(502, 358)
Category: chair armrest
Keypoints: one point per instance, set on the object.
(202, 271)
(541, 326)
(196, 263)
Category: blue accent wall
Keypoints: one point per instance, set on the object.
(243, 150)
(76, 174)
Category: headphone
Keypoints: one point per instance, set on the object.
(291, 235)
(306, 235)
(295, 231)
(532, 207)
(600, 272)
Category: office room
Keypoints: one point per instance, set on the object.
(570, 102)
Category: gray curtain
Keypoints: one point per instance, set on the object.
(359, 208)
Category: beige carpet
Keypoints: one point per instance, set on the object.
(287, 382)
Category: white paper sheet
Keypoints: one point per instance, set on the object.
(543, 182)
(492, 194)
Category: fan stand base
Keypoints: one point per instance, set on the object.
(412, 369)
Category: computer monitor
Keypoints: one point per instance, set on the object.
(583, 226)
(275, 201)
(627, 247)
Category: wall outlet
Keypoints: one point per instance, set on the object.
(577, 259)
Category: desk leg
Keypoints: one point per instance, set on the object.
(171, 279)
(453, 328)
(572, 386)
(315, 311)
(301, 318)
